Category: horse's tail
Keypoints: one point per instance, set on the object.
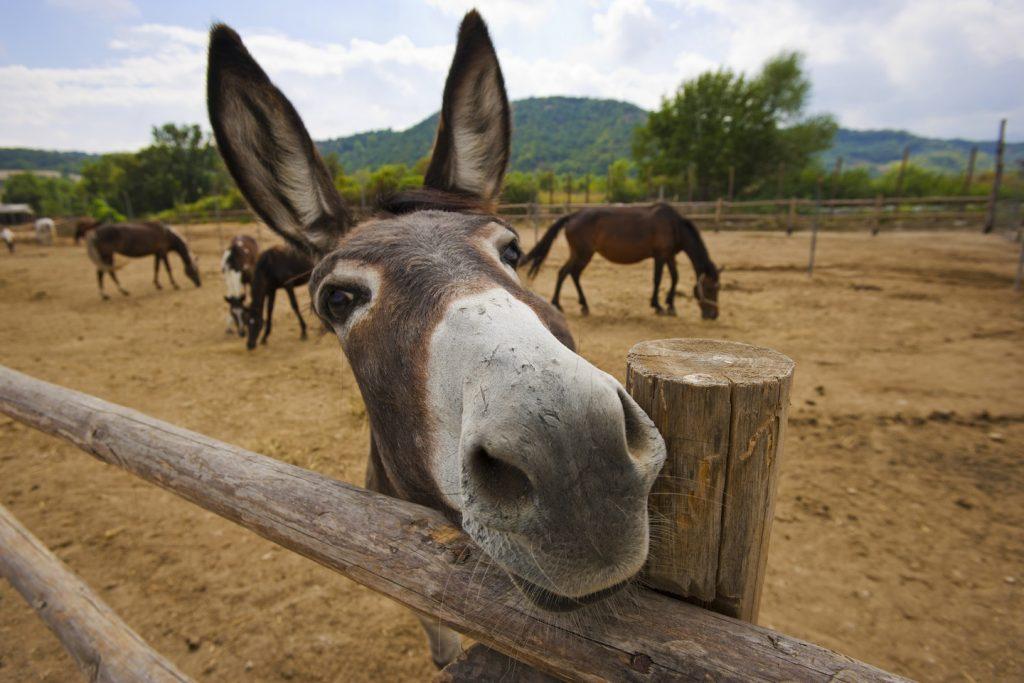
(540, 250)
(94, 253)
(97, 258)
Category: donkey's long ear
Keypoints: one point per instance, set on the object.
(472, 145)
(268, 151)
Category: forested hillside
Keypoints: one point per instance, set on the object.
(565, 134)
(581, 135)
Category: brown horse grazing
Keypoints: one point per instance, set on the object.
(277, 268)
(83, 226)
(628, 234)
(238, 266)
(138, 239)
(478, 406)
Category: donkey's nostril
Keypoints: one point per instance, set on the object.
(499, 481)
(642, 438)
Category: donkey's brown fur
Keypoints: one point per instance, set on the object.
(478, 406)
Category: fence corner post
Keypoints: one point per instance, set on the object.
(722, 408)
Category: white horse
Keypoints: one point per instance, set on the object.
(7, 236)
(45, 230)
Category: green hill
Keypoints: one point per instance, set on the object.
(582, 135)
(566, 134)
(876, 149)
(21, 158)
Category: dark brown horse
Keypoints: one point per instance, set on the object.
(478, 406)
(238, 266)
(136, 240)
(277, 268)
(83, 226)
(628, 234)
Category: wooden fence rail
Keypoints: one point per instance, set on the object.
(773, 214)
(104, 647)
(415, 556)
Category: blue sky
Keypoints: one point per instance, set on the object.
(95, 75)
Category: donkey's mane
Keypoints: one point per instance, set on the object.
(428, 199)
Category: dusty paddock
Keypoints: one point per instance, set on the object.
(899, 534)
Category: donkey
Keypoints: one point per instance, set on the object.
(628, 234)
(238, 265)
(478, 404)
(138, 239)
(277, 268)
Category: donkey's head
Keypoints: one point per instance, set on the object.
(477, 403)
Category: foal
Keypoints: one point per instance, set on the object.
(478, 405)
(238, 264)
(277, 268)
(138, 239)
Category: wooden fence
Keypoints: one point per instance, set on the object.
(722, 409)
(909, 213)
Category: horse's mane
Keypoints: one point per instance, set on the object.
(687, 234)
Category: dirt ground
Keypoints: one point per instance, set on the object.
(899, 531)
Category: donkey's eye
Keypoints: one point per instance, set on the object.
(339, 302)
(511, 254)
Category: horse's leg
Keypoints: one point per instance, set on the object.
(659, 265)
(167, 267)
(562, 273)
(270, 315)
(99, 280)
(577, 270)
(670, 298)
(156, 271)
(298, 313)
(113, 276)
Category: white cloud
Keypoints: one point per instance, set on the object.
(948, 69)
(628, 28)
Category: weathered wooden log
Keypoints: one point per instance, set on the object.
(415, 556)
(721, 407)
(105, 648)
(481, 663)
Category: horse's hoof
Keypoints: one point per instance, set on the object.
(302, 337)
(157, 286)
(556, 305)
(659, 311)
(125, 293)
(104, 297)
(671, 312)
(584, 311)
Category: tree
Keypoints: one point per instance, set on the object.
(48, 196)
(520, 188)
(721, 119)
(621, 186)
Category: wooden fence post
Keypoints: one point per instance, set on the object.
(792, 216)
(102, 645)
(732, 181)
(969, 175)
(718, 213)
(990, 218)
(1020, 264)
(878, 215)
(814, 227)
(903, 172)
(721, 407)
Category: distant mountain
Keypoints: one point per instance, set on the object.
(18, 158)
(566, 134)
(582, 135)
(876, 149)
